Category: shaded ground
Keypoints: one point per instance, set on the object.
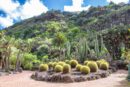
(23, 80)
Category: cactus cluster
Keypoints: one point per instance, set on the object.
(65, 67)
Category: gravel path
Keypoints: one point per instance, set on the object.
(24, 80)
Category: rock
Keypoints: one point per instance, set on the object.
(80, 79)
(67, 79)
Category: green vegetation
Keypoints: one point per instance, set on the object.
(100, 33)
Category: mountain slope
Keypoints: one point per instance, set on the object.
(108, 20)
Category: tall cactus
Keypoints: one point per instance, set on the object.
(68, 50)
(97, 47)
(83, 49)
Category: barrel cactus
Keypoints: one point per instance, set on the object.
(58, 68)
(66, 68)
(43, 67)
(85, 70)
(93, 66)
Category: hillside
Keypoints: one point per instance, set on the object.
(108, 21)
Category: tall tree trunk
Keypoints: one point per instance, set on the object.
(17, 62)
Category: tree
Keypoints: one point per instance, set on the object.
(6, 43)
(59, 40)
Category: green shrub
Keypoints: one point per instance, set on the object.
(104, 66)
(43, 67)
(78, 67)
(28, 66)
(58, 68)
(93, 66)
(13, 59)
(36, 64)
(85, 70)
(66, 68)
(73, 63)
(27, 61)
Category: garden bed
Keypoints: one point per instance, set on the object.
(74, 76)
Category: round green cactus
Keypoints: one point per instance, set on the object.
(67, 61)
(93, 66)
(85, 70)
(86, 62)
(50, 64)
(61, 63)
(104, 66)
(73, 63)
(66, 68)
(78, 67)
(43, 67)
(58, 68)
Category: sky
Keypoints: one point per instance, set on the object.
(13, 11)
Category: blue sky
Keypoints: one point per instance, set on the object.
(12, 11)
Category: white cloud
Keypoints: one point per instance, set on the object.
(118, 1)
(8, 5)
(15, 11)
(6, 21)
(32, 8)
(76, 6)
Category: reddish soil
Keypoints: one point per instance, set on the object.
(24, 80)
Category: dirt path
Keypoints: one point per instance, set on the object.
(24, 80)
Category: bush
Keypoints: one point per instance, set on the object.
(104, 66)
(43, 67)
(27, 61)
(93, 66)
(66, 68)
(73, 63)
(85, 70)
(28, 66)
(36, 64)
(58, 68)
(78, 67)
